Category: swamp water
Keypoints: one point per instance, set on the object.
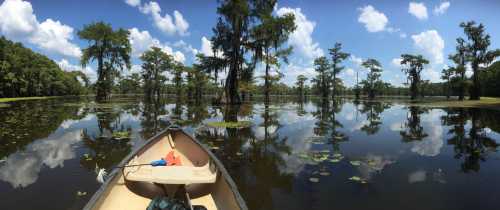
(294, 155)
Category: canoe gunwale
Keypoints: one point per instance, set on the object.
(220, 168)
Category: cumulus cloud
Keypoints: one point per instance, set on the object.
(301, 39)
(418, 10)
(18, 22)
(417, 176)
(373, 20)
(430, 44)
(167, 24)
(133, 3)
(442, 8)
(396, 62)
(21, 169)
(206, 47)
(142, 41)
(65, 65)
(349, 72)
(356, 60)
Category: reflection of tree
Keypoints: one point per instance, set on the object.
(105, 151)
(266, 156)
(25, 121)
(474, 147)
(413, 129)
(254, 160)
(151, 124)
(373, 111)
(300, 108)
(327, 124)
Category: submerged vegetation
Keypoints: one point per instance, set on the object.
(238, 124)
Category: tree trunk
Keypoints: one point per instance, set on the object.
(100, 86)
(476, 88)
(414, 89)
(232, 96)
(266, 81)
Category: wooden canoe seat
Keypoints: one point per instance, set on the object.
(171, 174)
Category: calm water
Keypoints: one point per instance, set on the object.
(296, 155)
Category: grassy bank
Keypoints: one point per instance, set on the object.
(3, 100)
(485, 102)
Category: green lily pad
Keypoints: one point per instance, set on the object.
(355, 162)
(314, 179)
(81, 193)
(355, 178)
(324, 173)
(239, 124)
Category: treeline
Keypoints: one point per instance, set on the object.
(247, 34)
(25, 73)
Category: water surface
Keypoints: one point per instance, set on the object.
(308, 154)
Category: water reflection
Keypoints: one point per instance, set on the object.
(22, 168)
(474, 146)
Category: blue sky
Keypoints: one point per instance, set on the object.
(367, 29)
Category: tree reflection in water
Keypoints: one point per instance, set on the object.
(471, 147)
(413, 130)
(373, 111)
(103, 150)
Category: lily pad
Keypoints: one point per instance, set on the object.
(81, 193)
(358, 179)
(239, 124)
(314, 179)
(324, 173)
(87, 157)
(355, 162)
(119, 135)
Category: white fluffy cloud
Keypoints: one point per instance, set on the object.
(396, 62)
(206, 47)
(418, 10)
(65, 65)
(373, 20)
(301, 39)
(133, 3)
(142, 41)
(430, 44)
(167, 24)
(55, 37)
(442, 8)
(18, 22)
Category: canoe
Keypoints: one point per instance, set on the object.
(199, 180)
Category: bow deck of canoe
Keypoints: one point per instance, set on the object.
(200, 180)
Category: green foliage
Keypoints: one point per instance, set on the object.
(337, 57)
(267, 38)
(477, 53)
(412, 66)
(238, 124)
(322, 80)
(301, 79)
(372, 84)
(130, 84)
(111, 49)
(25, 73)
(155, 64)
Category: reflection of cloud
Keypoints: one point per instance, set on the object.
(359, 125)
(297, 134)
(417, 176)
(21, 169)
(374, 164)
(396, 126)
(430, 146)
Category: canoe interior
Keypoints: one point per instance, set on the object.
(125, 194)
